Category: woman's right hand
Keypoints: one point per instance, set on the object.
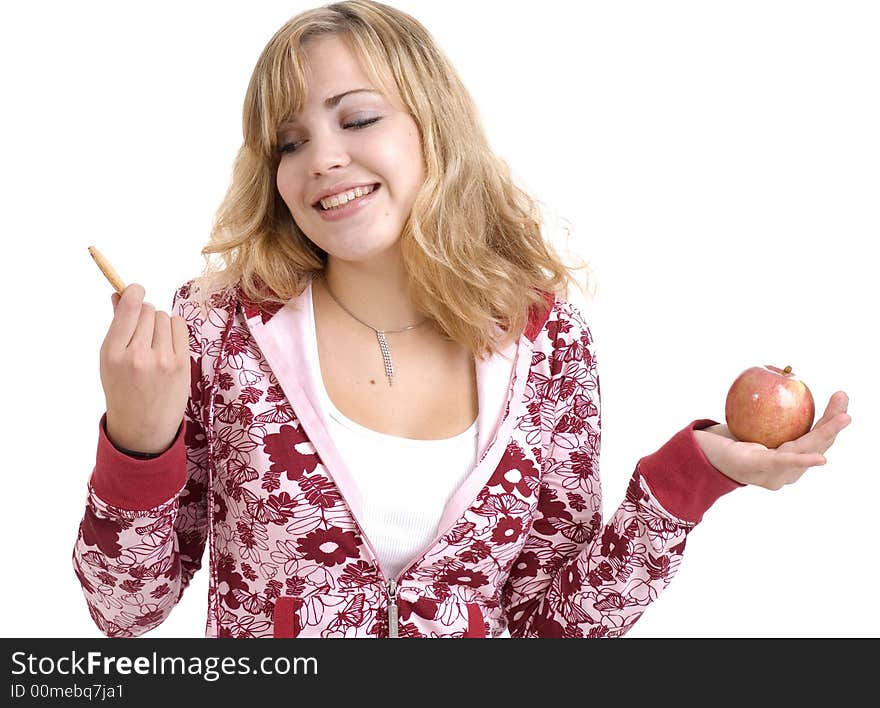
(145, 372)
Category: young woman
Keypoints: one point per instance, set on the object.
(379, 411)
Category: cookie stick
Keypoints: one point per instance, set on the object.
(107, 270)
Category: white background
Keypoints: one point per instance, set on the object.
(718, 164)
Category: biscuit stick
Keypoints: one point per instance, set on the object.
(107, 270)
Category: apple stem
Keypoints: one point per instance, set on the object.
(787, 370)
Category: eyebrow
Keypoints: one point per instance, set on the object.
(334, 101)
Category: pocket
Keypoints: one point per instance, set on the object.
(328, 616)
(476, 624)
(285, 618)
(449, 618)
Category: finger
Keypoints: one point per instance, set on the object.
(125, 317)
(838, 403)
(114, 300)
(821, 437)
(162, 334)
(180, 337)
(787, 463)
(832, 430)
(143, 334)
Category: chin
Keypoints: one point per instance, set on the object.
(365, 255)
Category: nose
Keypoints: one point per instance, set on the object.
(327, 153)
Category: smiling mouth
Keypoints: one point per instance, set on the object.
(340, 200)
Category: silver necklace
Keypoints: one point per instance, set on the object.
(380, 335)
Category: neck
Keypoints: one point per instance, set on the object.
(374, 291)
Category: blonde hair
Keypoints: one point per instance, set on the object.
(473, 245)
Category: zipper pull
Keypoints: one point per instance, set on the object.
(392, 609)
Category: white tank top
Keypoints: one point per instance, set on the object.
(405, 484)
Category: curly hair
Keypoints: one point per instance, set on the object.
(473, 246)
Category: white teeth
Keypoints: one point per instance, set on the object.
(339, 200)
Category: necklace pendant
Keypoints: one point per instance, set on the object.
(386, 357)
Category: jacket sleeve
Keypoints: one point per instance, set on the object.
(143, 533)
(577, 576)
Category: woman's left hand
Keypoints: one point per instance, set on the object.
(752, 463)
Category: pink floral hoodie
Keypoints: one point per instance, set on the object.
(254, 474)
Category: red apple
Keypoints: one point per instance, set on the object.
(769, 405)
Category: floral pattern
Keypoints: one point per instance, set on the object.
(287, 558)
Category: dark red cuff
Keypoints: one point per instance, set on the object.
(682, 478)
(138, 485)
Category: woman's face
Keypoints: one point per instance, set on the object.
(354, 146)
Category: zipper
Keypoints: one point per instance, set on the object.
(391, 586)
(392, 609)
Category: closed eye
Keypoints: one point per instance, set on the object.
(354, 125)
(358, 124)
